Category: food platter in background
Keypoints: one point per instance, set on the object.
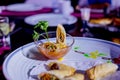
(23, 7)
(110, 24)
(53, 19)
(101, 22)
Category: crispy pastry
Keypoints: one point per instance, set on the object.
(60, 34)
(76, 76)
(100, 71)
(54, 75)
(57, 71)
(60, 66)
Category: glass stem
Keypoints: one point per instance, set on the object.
(84, 26)
(3, 38)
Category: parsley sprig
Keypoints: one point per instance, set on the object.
(43, 25)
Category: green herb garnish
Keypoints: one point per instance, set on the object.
(43, 25)
(35, 35)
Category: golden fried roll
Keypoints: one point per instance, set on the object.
(60, 34)
(60, 66)
(76, 76)
(100, 71)
(47, 76)
(54, 75)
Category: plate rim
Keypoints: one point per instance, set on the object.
(8, 58)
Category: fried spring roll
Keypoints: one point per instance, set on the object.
(76, 76)
(100, 71)
(54, 75)
(60, 66)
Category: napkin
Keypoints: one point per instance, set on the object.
(92, 15)
(4, 48)
(25, 13)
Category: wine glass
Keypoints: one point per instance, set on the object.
(85, 16)
(4, 32)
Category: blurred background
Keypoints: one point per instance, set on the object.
(82, 18)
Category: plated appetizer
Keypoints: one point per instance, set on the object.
(49, 48)
(60, 71)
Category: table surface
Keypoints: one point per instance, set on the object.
(22, 34)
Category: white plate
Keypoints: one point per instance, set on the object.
(53, 19)
(22, 7)
(18, 67)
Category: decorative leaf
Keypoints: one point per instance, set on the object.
(35, 35)
(86, 55)
(94, 57)
(94, 54)
(76, 48)
(102, 54)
